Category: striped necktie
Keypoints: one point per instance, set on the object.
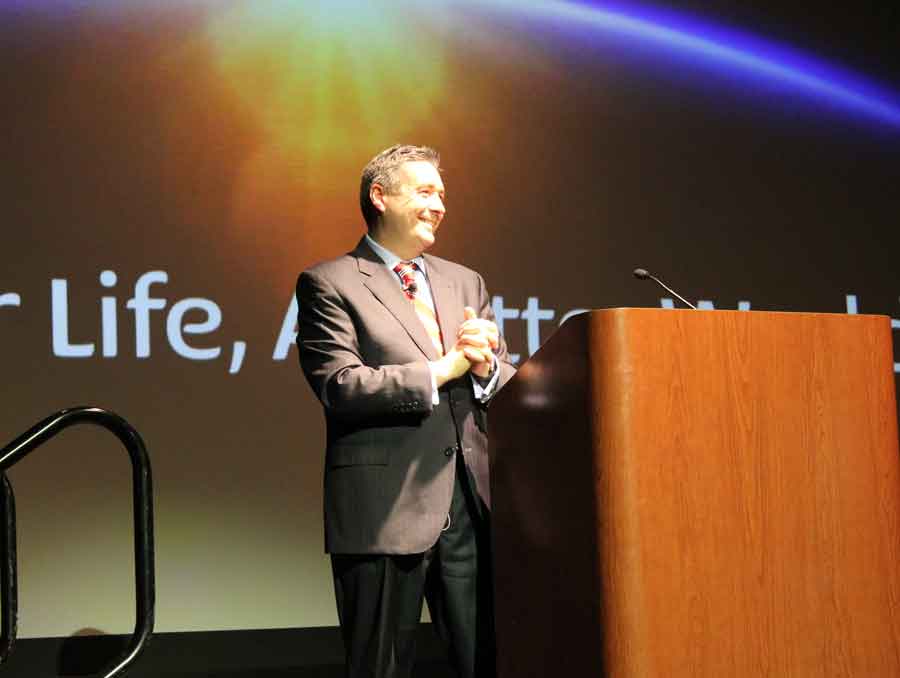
(407, 272)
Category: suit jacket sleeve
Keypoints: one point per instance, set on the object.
(332, 361)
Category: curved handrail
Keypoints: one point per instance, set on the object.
(145, 592)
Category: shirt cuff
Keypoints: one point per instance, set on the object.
(484, 388)
(435, 396)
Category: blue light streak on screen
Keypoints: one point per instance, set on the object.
(734, 53)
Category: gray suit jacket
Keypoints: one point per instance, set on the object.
(389, 456)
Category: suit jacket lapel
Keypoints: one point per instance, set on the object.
(386, 288)
(447, 302)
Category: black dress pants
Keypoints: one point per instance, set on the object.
(379, 597)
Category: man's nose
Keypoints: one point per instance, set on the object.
(436, 204)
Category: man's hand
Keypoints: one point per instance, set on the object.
(474, 349)
(478, 338)
(452, 365)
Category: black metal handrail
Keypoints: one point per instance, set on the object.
(8, 594)
(142, 494)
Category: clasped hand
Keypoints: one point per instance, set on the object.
(476, 341)
(478, 338)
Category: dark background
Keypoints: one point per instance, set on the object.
(222, 143)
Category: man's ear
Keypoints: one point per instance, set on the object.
(376, 195)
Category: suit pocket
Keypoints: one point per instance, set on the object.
(357, 455)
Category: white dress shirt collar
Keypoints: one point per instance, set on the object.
(389, 258)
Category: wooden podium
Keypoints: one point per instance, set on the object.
(699, 493)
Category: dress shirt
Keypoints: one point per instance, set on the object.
(423, 292)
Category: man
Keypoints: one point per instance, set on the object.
(401, 349)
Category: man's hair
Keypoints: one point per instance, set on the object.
(382, 169)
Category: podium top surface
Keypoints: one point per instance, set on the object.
(725, 312)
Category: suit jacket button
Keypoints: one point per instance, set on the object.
(449, 451)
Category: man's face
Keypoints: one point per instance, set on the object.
(413, 209)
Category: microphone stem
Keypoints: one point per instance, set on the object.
(671, 291)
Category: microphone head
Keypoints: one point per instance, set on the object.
(641, 273)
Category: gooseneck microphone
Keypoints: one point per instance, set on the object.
(644, 274)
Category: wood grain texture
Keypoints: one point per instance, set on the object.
(745, 495)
